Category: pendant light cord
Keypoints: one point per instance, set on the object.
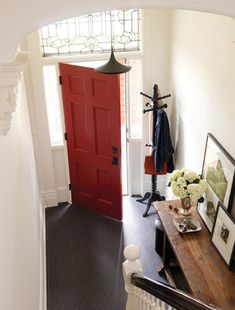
(113, 66)
(111, 30)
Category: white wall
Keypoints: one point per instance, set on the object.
(19, 220)
(156, 51)
(50, 162)
(202, 80)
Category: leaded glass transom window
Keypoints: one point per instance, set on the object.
(92, 33)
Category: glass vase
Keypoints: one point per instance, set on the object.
(185, 206)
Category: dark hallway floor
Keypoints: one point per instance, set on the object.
(140, 231)
(85, 255)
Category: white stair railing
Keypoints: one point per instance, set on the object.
(145, 294)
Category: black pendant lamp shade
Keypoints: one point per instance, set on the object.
(113, 66)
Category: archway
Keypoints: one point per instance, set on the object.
(43, 13)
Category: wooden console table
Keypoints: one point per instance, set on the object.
(205, 272)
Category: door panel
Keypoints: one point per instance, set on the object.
(79, 123)
(92, 119)
(101, 126)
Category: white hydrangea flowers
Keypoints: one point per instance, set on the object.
(187, 183)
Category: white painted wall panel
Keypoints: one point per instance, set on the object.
(20, 217)
(156, 66)
(202, 79)
(61, 178)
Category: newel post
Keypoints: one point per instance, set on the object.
(10, 76)
(130, 266)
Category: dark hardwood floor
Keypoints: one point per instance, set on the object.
(140, 231)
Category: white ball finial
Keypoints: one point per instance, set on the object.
(132, 252)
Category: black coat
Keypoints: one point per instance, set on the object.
(163, 148)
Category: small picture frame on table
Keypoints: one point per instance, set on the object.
(223, 234)
(218, 170)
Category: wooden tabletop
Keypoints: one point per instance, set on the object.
(207, 274)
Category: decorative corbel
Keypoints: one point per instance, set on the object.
(10, 75)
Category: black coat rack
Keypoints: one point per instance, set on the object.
(153, 107)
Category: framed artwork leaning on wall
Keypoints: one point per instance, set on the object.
(219, 171)
(223, 234)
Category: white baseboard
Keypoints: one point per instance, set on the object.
(49, 198)
(62, 194)
(53, 197)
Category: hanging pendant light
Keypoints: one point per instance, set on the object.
(113, 66)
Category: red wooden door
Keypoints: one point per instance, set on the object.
(92, 119)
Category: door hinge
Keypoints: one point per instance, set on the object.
(65, 136)
(70, 186)
(60, 79)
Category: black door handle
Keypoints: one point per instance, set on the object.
(115, 161)
(114, 149)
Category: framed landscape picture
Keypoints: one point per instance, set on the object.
(218, 169)
(223, 234)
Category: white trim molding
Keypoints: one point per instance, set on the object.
(10, 76)
(49, 198)
(62, 194)
(53, 197)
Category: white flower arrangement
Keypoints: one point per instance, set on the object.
(186, 183)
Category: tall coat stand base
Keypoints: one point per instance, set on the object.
(154, 196)
(146, 196)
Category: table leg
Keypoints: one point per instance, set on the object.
(166, 251)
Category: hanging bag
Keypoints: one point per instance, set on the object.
(149, 166)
